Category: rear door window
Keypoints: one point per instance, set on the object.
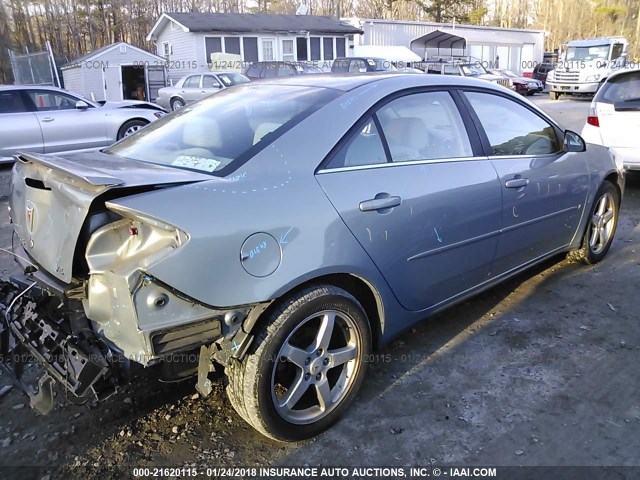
(11, 102)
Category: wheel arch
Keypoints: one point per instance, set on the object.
(361, 289)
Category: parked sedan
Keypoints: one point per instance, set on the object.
(522, 85)
(614, 117)
(192, 88)
(52, 120)
(286, 228)
(273, 69)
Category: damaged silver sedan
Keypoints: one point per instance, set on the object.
(281, 231)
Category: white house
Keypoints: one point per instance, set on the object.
(116, 72)
(187, 40)
(516, 49)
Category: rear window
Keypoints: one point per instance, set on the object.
(622, 90)
(222, 132)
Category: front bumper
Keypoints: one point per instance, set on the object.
(32, 327)
(573, 87)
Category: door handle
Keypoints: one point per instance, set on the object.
(517, 183)
(48, 119)
(381, 202)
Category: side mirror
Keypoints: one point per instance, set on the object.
(573, 142)
(81, 105)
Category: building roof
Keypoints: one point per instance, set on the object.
(99, 51)
(254, 22)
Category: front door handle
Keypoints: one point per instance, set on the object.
(517, 183)
(382, 201)
(48, 119)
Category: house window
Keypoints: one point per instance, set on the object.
(232, 45)
(328, 48)
(250, 46)
(315, 48)
(212, 45)
(301, 44)
(288, 53)
(340, 47)
(166, 51)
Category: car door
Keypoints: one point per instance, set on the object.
(210, 84)
(65, 127)
(191, 91)
(19, 127)
(427, 211)
(543, 188)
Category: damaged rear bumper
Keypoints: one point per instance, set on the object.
(30, 329)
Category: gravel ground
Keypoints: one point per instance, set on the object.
(540, 370)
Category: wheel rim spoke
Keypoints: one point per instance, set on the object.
(295, 355)
(323, 390)
(325, 331)
(295, 392)
(340, 356)
(608, 216)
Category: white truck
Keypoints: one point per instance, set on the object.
(585, 64)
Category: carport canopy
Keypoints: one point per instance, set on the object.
(439, 39)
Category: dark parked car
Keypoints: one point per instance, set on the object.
(541, 71)
(284, 229)
(259, 70)
(361, 65)
(522, 85)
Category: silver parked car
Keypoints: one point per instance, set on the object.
(195, 87)
(51, 120)
(284, 229)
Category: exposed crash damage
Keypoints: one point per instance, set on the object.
(84, 308)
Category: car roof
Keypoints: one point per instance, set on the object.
(347, 82)
(31, 87)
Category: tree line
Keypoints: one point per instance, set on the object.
(76, 27)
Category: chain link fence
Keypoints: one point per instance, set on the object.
(32, 69)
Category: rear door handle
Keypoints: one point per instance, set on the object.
(48, 119)
(380, 203)
(517, 183)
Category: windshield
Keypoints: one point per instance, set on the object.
(230, 79)
(473, 69)
(221, 132)
(599, 52)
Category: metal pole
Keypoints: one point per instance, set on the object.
(53, 64)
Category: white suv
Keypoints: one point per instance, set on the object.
(614, 117)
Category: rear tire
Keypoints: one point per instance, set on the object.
(177, 104)
(298, 379)
(601, 226)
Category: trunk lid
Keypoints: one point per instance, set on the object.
(51, 197)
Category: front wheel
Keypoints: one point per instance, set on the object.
(601, 226)
(131, 127)
(305, 367)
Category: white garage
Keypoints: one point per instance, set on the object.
(116, 72)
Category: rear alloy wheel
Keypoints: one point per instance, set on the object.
(601, 228)
(305, 367)
(177, 104)
(131, 127)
